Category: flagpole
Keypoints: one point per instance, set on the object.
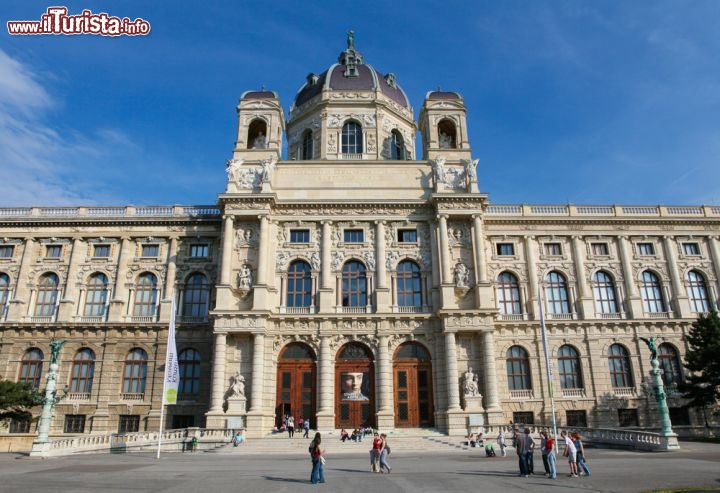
(171, 378)
(548, 363)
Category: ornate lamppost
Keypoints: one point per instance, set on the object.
(41, 445)
(670, 441)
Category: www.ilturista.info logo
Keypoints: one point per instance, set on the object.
(56, 21)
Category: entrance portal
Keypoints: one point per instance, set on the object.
(354, 387)
(296, 379)
(412, 371)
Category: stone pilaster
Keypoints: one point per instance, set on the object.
(166, 303)
(382, 292)
(218, 375)
(585, 304)
(260, 287)
(386, 417)
(634, 303)
(327, 301)
(326, 414)
(69, 303)
(492, 398)
(681, 302)
(119, 302)
(534, 288)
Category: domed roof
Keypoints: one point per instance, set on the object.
(440, 95)
(259, 95)
(351, 74)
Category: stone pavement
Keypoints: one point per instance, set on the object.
(347, 470)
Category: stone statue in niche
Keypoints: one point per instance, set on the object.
(445, 141)
(462, 276)
(470, 383)
(245, 278)
(439, 170)
(237, 387)
(315, 260)
(260, 142)
(471, 169)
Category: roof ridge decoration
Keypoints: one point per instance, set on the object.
(350, 57)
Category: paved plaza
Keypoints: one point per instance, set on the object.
(696, 465)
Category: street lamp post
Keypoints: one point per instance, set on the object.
(670, 440)
(41, 445)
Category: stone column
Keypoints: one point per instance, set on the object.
(18, 308)
(453, 389)
(585, 302)
(682, 306)
(492, 399)
(118, 306)
(532, 302)
(479, 243)
(325, 255)
(166, 303)
(386, 418)
(258, 375)
(262, 251)
(382, 291)
(227, 243)
(715, 257)
(218, 375)
(70, 301)
(634, 305)
(444, 251)
(326, 392)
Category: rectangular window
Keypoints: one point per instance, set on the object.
(599, 249)
(407, 236)
(353, 236)
(505, 249)
(150, 250)
(128, 423)
(101, 251)
(628, 417)
(6, 251)
(645, 249)
(53, 251)
(679, 416)
(523, 418)
(19, 426)
(553, 249)
(299, 236)
(74, 423)
(576, 418)
(200, 250)
(691, 248)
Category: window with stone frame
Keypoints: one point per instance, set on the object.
(128, 423)
(620, 370)
(135, 372)
(508, 294)
(47, 295)
(628, 417)
(698, 292)
(299, 236)
(576, 418)
(651, 293)
(19, 425)
(645, 249)
(505, 249)
(53, 251)
(352, 138)
(409, 284)
(523, 418)
(96, 297)
(407, 235)
(569, 369)
(7, 251)
(518, 369)
(150, 250)
(604, 291)
(553, 249)
(31, 367)
(83, 372)
(691, 249)
(189, 369)
(200, 250)
(353, 235)
(74, 423)
(599, 249)
(101, 251)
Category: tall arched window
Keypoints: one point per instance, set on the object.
(508, 294)
(397, 146)
(48, 288)
(556, 293)
(569, 369)
(31, 367)
(135, 372)
(83, 370)
(354, 284)
(4, 294)
(196, 296)
(189, 366)
(307, 145)
(620, 372)
(145, 295)
(409, 290)
(352, 138)
(604, 290)
(96, 298)
(299, 284)
(651, 291)
(447, 135)
(518, 369)
(697, 289)
(670, 364)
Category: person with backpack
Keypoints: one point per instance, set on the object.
(318, 461)
(306, 427)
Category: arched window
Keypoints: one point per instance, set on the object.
(135, 372)
(83, 370)
(569, 369)
(352, 138)
(447, 135)
(508, 294)
(48, 288)
(299, 284)
(96, 298)
(397, 146)
(145, 296)
(604, 290)
(556, 293)
(354, 284)
(307, 145)
(619, 361)
(257, 134)
(698, 292)
(518, 369)
(670, 364)
(4, 294)
(651, 291)
(189, 366)
(31, 367)
(196, 296)
(409, 290)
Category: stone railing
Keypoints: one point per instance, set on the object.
(633, 439)
(115, 212)
(601, 210)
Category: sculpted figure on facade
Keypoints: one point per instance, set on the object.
(245, 278)
(438, 166)
(470, 383)
(370, 260)
(315, 260)
(471, 169)
(392, 259)
(237, 387)
(267, 166)
(337, 259)
(233, 169)
(282, 260)
(445, 141)
(462, 276)
(260, 142)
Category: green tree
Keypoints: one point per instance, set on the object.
(16, 399)
(702, 385)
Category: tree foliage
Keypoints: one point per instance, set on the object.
(702, 385)
(16, 399)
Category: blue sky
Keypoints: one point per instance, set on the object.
(586, 102)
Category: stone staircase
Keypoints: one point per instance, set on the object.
(404, 442)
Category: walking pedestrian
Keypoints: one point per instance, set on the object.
(291, 426)
(384, 452)
(501, 443)
(581, 464)
(571, 453)
(375, 453)
(306, 427)
(544, 451)
(551, 457)
(318, 460)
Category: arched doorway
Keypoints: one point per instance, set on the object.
(296, 377)
(412, 371)
(354, 387)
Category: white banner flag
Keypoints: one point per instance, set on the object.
(172, 371)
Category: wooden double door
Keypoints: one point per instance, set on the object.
(413, 394)
(296, 391)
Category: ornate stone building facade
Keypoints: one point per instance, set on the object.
(354, 283)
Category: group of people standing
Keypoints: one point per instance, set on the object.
(289, 425)
(378, 457)
(574, 451)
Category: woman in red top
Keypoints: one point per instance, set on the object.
(375, 453)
